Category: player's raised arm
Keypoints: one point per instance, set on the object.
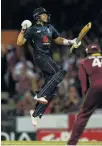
(20, 39)
(62, 41)
(25, 27)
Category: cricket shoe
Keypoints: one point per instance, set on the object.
(34, 119)
(41, 99)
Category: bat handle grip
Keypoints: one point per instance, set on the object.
(77, 41)
(71, 49)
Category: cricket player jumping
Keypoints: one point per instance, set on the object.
(40, 36)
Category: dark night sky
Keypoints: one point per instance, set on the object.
(13, 12)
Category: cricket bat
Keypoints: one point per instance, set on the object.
(82, 33)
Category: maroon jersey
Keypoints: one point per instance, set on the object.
(90, 70)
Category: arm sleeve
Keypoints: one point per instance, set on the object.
(28, 34)
(55, 33)
(83, 79)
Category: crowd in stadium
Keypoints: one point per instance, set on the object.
(20, 78)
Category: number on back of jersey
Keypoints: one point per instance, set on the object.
(97, 62)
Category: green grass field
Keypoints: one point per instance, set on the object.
(47, 143)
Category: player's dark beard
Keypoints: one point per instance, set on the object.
(40, 21)
(45, 22)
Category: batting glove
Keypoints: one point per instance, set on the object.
(26, 24)
(75, 45)
(73, 41)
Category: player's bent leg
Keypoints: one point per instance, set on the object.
(50, 86)
(88, 108)
(49, 68)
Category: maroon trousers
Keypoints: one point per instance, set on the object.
(92, 100)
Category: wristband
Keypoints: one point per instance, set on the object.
(22, 31)
(66, 42)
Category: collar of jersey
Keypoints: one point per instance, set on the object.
(41, 25)
(96, 54)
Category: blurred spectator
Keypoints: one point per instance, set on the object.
(72, 100)
(25, 77)
(11, 61)
(3, 69)
(25, 104)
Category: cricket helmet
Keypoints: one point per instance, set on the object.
(93, 48)
(38, 11)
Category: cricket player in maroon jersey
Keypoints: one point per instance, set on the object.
(90, 70)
